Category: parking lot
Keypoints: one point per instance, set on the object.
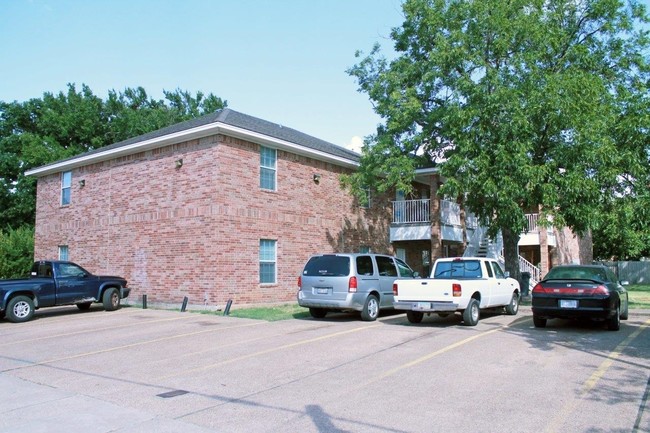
(136, 370)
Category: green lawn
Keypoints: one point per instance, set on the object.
(272, 313)
(639, 296)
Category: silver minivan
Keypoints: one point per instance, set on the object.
(350, 282)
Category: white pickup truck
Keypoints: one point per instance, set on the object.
(462, 284)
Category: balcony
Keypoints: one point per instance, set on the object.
(412, 221)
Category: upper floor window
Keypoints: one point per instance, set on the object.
(66, 183)
(366, 200)
(268, 159)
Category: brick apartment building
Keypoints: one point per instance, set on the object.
(226, 206)
(229, 207)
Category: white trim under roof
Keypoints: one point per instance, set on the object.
(186, 135)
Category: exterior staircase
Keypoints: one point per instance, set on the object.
(480, 245)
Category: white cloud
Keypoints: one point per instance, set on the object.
(355, 144)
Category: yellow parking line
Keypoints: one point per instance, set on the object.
(429, 356)
(591, 382)
(264, 352)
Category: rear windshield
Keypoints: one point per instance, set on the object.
(577, 273)
(327, 266)
(458, 269)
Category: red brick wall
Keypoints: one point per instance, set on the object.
(195, 231)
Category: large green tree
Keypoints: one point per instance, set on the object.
(521, 103)
(57, 126)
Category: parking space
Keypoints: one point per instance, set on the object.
(153, 370)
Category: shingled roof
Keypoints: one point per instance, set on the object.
(226, 118)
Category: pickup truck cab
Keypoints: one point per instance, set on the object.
(463, 284)
(54, 283)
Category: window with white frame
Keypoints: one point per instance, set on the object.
(268, 162)
(366, 201)
(63, 252)
(267, 261)
(66, 183)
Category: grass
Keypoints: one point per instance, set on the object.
(272, 313)
(639, 296)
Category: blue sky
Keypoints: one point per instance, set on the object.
(280, 60)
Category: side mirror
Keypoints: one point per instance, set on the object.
(625, 283)
(416, 274)
(507, 274)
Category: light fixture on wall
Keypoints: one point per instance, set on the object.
(316, 178)
(179, 163)
(82, 183)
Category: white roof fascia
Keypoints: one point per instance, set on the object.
(288, 146)
(189, 134)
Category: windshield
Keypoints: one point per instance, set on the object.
(576, 273)
(327, 266)
(458, 269)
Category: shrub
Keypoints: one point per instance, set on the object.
(16, 252)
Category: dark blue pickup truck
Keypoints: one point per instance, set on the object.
(54, 283)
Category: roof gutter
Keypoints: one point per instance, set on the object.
(186, 135)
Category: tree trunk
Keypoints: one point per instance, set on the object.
(511, 252)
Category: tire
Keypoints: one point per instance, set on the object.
(317, 313)
(471, 313)
(370, 310)
(20, 309)
(414, 316)
(84, 306)
(111, 299)
(625, 314)
(539, 322)
(614, 322)
(513, 307)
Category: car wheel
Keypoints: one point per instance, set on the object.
(625, 314)
(471, 313)
(614, 322)
(317, 313)
(20, 309)
(111, 299)
(370, 310)
(83, 306)
(513, 307)
(414, 316)
(539, 322)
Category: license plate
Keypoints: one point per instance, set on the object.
(322, 291)
(568, 303)
(423, 305)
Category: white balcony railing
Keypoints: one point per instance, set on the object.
(411, 211)
(418, 211)
(449, 213)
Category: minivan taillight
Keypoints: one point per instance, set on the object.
(299, 282)
(395, 289)
(457, 290)
(352, 285)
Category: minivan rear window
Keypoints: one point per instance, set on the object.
(327, 266)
